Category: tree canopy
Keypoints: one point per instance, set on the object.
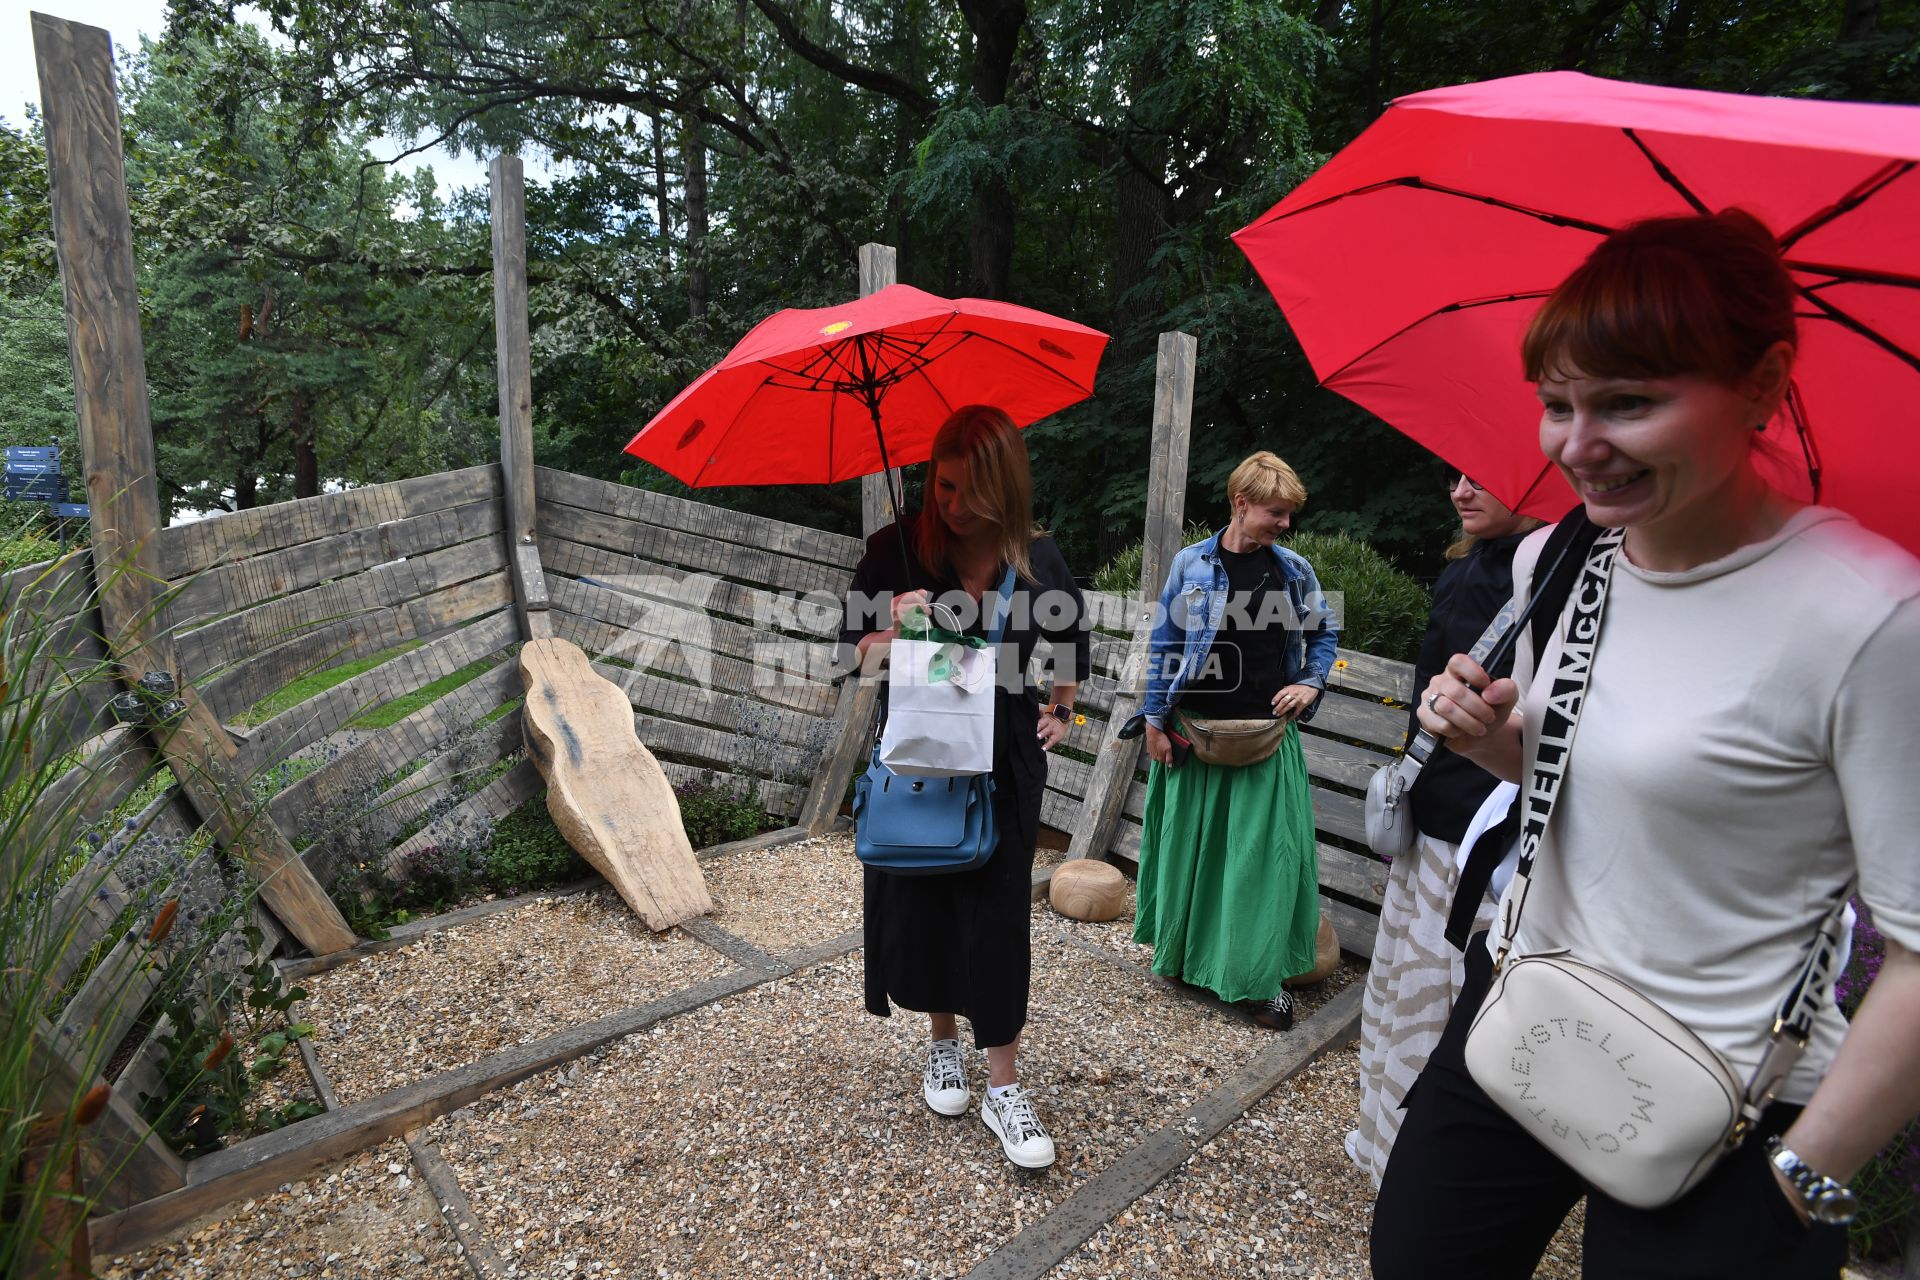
(310, 318)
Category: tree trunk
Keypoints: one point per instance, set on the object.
(661, 203)
(693, 147)
(1859, 19)
(996, 27)
(306, 463)
(246, 489)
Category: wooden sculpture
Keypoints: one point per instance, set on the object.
(1084, 889)
(605, 790)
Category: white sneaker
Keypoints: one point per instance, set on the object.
(1021, 1134)
(944, 1085)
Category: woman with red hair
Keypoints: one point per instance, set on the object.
(1742, 762)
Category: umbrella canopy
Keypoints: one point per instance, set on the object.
(803, 397)
(1411, 262)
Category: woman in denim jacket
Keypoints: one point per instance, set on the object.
(1229, 879)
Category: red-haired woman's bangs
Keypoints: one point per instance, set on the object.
(1669, 296)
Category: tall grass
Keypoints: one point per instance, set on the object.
(101, 895)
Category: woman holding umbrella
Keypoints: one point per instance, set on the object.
(1742, 760)
(958, 945)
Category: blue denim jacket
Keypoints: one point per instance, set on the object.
(1196, 593)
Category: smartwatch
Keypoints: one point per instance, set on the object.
(1826, 1200)
(1059, 711)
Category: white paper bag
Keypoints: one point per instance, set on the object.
(939, 709)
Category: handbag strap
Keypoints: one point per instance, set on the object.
(1793, 1024)
(1000, 607)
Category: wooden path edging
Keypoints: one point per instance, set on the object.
(1052, 1240)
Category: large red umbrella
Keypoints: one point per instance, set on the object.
(805, 397)
(1411, 262)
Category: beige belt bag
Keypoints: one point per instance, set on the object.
(1234, 742)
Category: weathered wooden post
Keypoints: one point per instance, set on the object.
(606, 792)
(93, 236)
(859, 698)
(507, 199)
(1166, 507)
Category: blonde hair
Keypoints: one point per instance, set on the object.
(999, 487)
(1463, 541)
(1264, 479)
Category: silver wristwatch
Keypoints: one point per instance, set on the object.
(1826, 1200)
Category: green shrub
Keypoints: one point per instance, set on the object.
(1120, 576)
(26, 542)
(714, 814)
(1384, 611)
(529, 854)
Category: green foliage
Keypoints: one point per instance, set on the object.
(224, 1036)
(25, 539)
(715, 814)
(1120, 576)
(529, 854)
(522, 853)
(1383, 611)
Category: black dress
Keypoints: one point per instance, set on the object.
(960, 943)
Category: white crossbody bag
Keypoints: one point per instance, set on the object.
(1618, 1088)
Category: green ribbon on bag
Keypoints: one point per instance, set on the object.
(941, 667)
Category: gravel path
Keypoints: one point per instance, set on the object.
(368, 1217)
(779, 1132)
(455, 996)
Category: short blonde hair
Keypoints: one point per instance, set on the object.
(999, 486)
(1263, 478)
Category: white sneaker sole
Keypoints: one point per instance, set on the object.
(957, 1107)
(1024, 1161)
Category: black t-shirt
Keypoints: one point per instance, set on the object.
(1246, 666)
(1469, 592)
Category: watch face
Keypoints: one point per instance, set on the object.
(1835, 1208)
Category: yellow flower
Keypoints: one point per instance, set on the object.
(1339, 664)
(1079, 719)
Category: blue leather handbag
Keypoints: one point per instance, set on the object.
(916, 826)
(923, 826)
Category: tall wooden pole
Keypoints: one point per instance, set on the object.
(878, 267)
(506, 180)
(1166, 507)
(859, 698)
(93, 236)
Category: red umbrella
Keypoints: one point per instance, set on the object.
(1411, 262)
(802, 398)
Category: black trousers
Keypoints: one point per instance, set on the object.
(1468, 1193)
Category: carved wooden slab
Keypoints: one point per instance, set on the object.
(605, 790)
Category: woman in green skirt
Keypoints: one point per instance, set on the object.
(1242, 646)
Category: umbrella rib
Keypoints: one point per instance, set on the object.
(1851, 275)
(1845, 321)
(1421, 184)
(1436, 312)
(1667, 175)
(1057, 372)
(1869, 187)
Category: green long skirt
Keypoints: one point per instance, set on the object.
(1229, 888)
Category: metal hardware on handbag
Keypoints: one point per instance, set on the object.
(1234, 743)
(1615, 1086)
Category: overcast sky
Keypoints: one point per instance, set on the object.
(126, 21)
